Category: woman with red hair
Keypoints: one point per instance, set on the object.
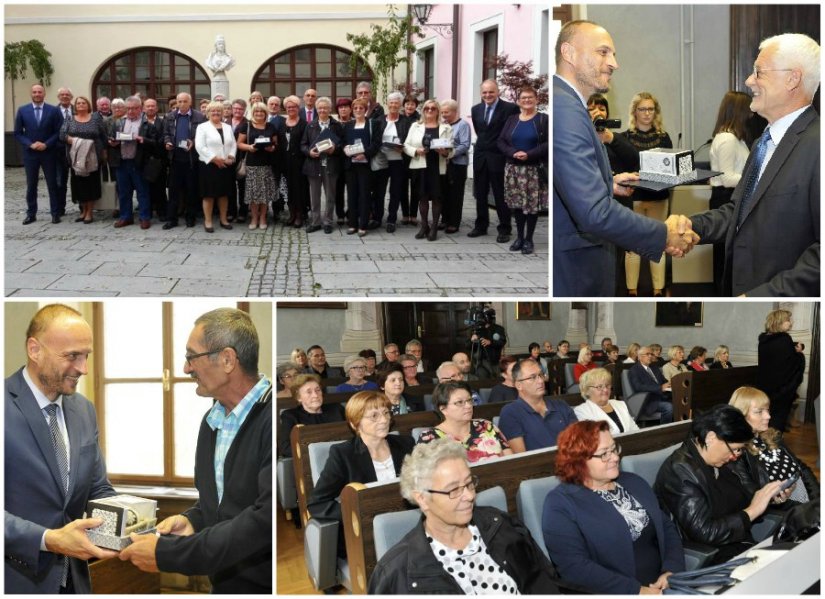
(603, 528)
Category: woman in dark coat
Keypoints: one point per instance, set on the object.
(781, 366)
(372, 455)
(292, 159)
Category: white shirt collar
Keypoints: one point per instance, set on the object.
(780, 126)
(573, 87)
(39, 396)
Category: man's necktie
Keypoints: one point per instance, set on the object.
(63, 467)
(752, 179)
(487, 112)
(37, 110)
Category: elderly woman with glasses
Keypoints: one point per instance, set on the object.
(604, 529)
(453, 404)
(596, 387)
(708, 501)
(371, 455)
(286, 373)
(458, 548)
(355, 368)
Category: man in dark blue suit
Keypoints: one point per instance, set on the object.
(489, 117)
(646, 377)
(771, 227)
(587, 222)
(53, 464)
(36, 128)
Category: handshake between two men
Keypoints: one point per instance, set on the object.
(680, 234)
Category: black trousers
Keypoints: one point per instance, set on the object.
(485, 180)
(183, 188)
(719, 196)
(454, 200)
(359, 181)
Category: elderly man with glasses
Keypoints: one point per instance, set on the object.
(227, 534)
(533, 421)
(648, 378)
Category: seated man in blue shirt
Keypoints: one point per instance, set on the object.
(532, 422)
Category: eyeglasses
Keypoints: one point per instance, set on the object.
(377, 416)
(289, 376)
(645, 110)
(457, 491)
(455, 378)
(357, 367)
(734, 452)
(531, 378)
(757, 71)
(606, 454)
(429, 108)
(190, 357)
(410, 367)
(461, 403)
(601, 387)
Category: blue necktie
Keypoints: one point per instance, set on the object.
(487, 112)
(752, 179)
(37, 114)
(62, 466)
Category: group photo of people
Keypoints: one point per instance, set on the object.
(703, 227)
(704, 477)
(414, 132)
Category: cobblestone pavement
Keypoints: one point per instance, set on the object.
(73, 259)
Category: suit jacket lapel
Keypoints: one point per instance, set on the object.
(779, 157)
(27, 404)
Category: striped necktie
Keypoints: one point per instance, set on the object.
(63, 467)
(752, 179)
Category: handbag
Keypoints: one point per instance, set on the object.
(799, 523)
(152, 169)
(108, 190)
(240, 168)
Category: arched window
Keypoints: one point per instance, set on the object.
(154, 72)
(322, 67)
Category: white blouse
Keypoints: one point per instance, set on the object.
(727, 154)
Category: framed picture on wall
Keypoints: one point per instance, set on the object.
(679, 314)
(534, 311)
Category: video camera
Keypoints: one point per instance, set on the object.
(480, 317)
(602, 124)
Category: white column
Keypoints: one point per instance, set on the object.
(363, 328)
(604, 324)
(576, 328)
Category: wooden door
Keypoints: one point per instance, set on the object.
(438, 325)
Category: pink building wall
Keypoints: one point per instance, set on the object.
(523, 31)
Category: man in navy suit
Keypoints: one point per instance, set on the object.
(489, 117)
(587, 222)
(646, 377)
(771, 229)
(53, 464)
(64, 106)
(36, 128)
(307, 112)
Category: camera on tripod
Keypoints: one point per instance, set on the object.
(479, 318)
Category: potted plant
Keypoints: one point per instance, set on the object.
(19, 56)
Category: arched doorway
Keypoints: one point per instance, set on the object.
(322, 67)
(154, 72)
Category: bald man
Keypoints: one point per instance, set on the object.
(53, 463)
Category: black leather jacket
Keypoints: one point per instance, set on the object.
(682, 486)
(410, 568)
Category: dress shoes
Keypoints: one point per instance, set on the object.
(517, 244)
(170, 224)
(55, 219)
(390, 227)
(29, 220)
(190, 222)
(327, 229)
(208, 229)
(373, 224)
(476, 233)
(422, 232)
(313, 228)
(503, 238)
(79, 219)
(433, 235)
(451, 230)
(527, 248)
(351, 231)
(145, 224)
(228, 227)
(124, 222)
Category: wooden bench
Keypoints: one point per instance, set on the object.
(360, 504)
(702, 390)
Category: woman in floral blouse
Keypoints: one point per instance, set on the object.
(453, 403)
